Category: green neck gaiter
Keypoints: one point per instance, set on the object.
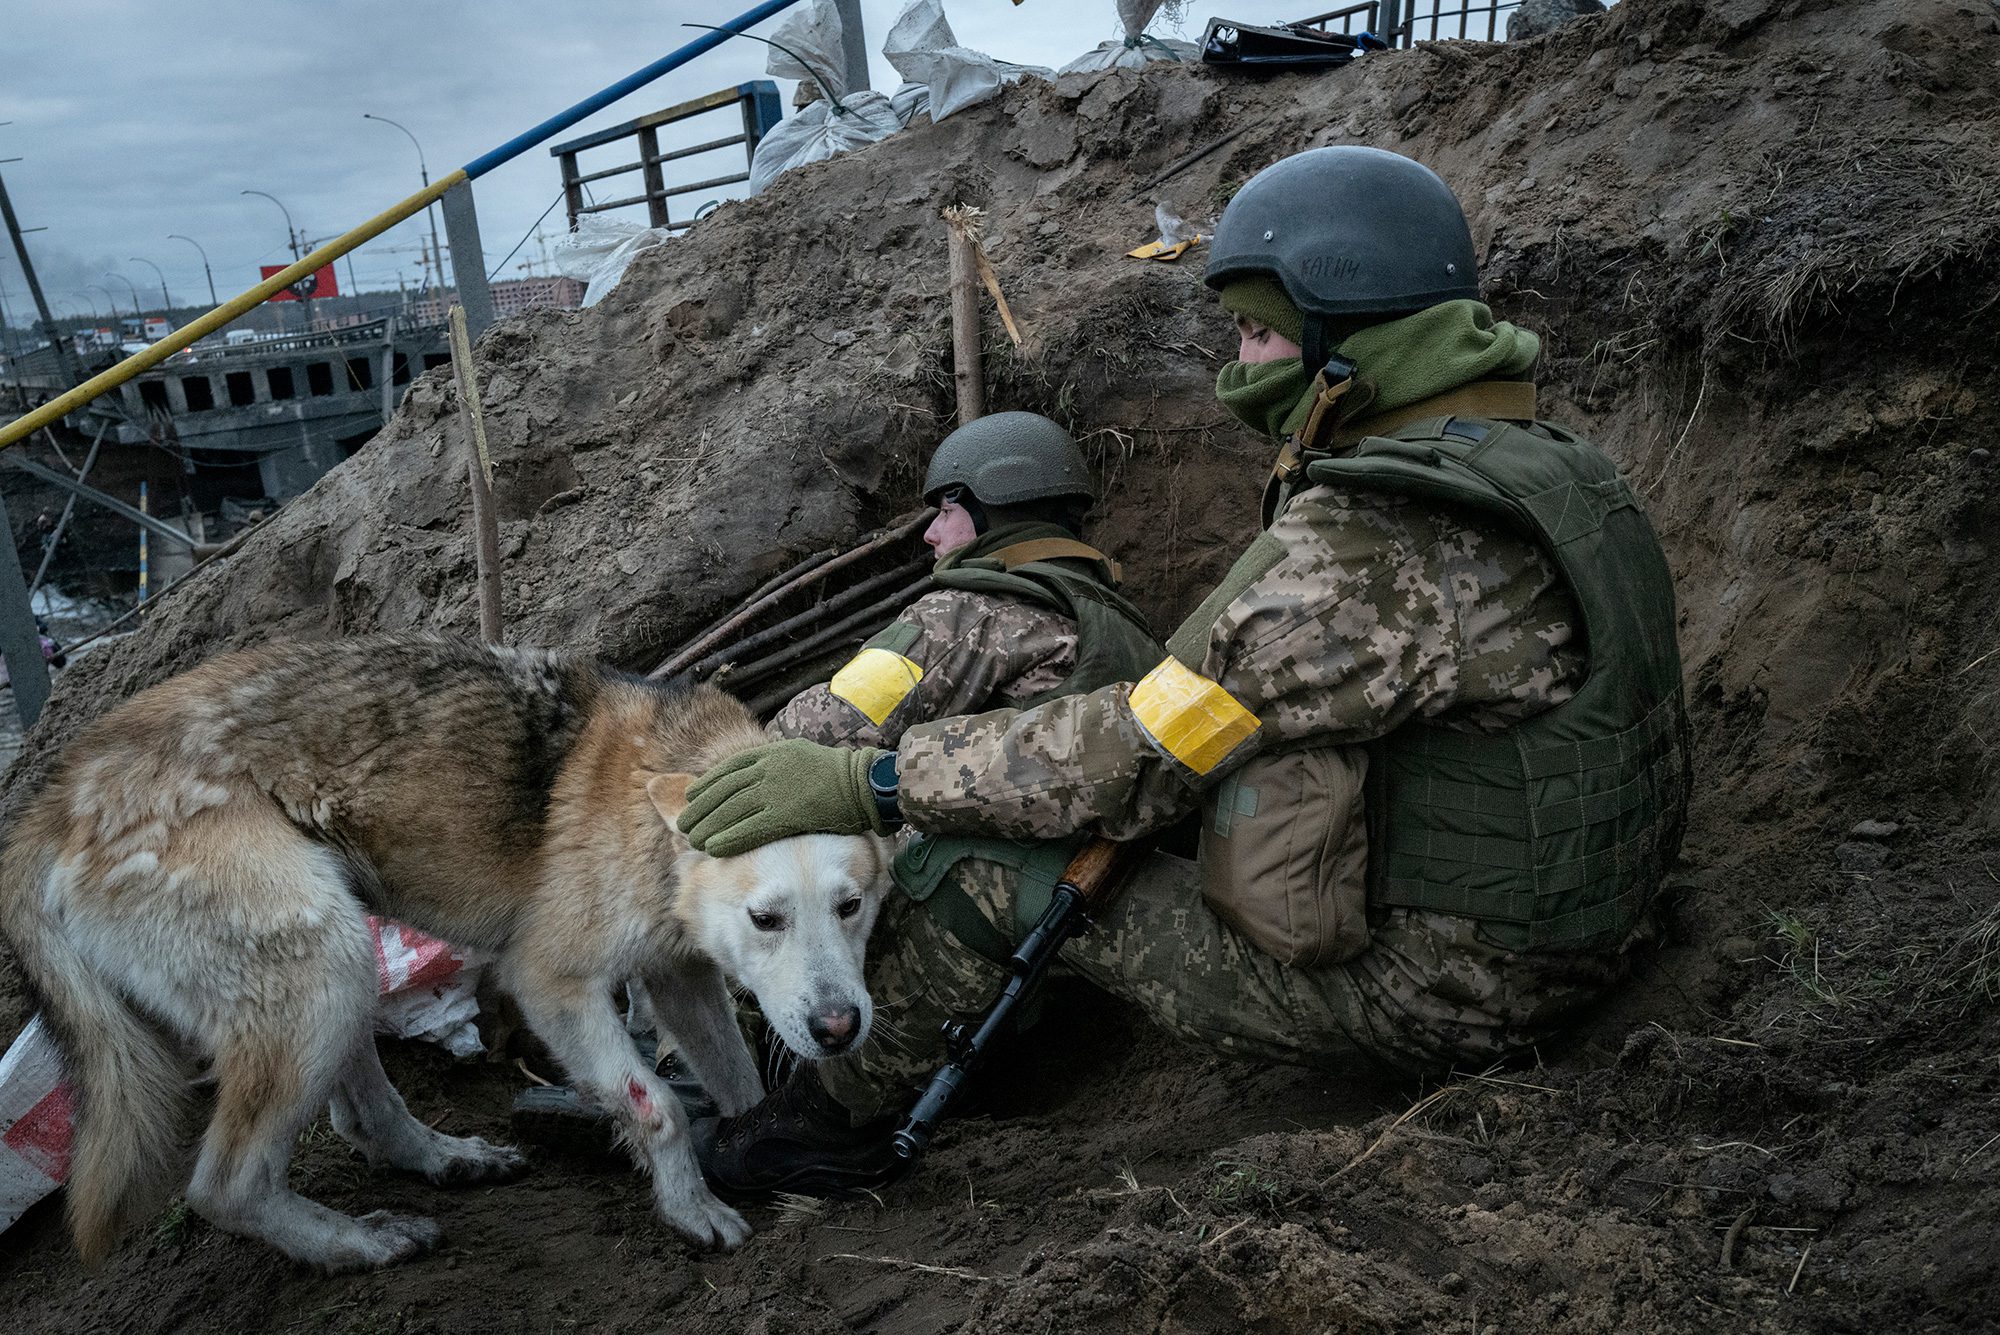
(1266, 396)
(1451, 344)
(1003, 535)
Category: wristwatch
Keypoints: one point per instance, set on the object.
(883, 785)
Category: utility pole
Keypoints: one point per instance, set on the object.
(64, 354)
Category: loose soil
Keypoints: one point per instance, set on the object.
(1758, 237)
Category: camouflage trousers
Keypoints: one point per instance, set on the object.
(1427, 992)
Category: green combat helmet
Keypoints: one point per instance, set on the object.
(1347, 232)
(1010, 459)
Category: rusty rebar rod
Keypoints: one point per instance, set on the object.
(817, 612)
(872, 614)
(902, 528)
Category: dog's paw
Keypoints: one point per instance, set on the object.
(707, 1222)
(383, 1239)
(476, 1162)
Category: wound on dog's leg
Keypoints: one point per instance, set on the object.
(642, 1102)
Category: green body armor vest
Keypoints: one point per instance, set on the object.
(1113, 644)
(1555, 834)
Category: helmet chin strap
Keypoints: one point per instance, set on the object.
(1333, 376)
(1330, 384)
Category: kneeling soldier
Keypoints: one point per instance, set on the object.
(1431, 720)
(1024, 610)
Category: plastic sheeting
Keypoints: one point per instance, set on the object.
(1137, 50)
(427, 989)
(923, 49)
(599, 251)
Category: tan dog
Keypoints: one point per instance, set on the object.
(189, 889)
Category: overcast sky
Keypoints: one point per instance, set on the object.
(136, 119)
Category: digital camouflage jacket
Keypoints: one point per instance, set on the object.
(1352, 613)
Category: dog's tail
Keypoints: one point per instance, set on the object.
(129, 1083)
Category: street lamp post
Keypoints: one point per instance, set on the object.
(110, 297)
(437, 255)
(166, 302)
(291, 240)
(209, 273)
(136, 314)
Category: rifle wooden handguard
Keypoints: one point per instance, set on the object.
(1099, 869)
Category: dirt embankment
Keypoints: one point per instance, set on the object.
(1758, 237)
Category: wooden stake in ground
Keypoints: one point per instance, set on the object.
(966, 371)
(479, 469)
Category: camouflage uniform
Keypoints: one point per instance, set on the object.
(977, 651)
(1355, 612)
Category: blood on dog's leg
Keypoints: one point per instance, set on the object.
(694, 1006)
(576, 1018)
(368, 1113)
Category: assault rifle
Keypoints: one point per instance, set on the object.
(1088, 885)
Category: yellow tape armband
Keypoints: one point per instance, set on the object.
(875, 682)
(1194, 720)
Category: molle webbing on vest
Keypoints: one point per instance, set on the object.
(1556, 833)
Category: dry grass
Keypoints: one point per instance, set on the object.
(1871, 218)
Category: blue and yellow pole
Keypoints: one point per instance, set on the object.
(236, 307)
(143, 535)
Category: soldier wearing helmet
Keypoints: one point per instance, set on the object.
(1024, 610)
(1430, 723)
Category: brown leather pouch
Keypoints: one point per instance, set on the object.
(1284, 854)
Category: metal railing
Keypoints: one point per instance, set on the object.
(1401, 22)
(761, 109)
(453, 191)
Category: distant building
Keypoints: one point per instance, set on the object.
(510, 297)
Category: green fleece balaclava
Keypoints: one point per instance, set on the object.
(1265, 396)
(1398, 361)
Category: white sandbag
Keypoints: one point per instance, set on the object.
(428, 992)
(1137, 50)
(812, 33)
(922, 48)
(910, 101)
(600, 250)
(821, 131)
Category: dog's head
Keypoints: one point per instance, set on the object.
(790, 921)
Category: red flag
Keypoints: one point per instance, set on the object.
(319, 284)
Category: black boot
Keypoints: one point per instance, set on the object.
(797, 1141)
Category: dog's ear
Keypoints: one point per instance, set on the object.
(669, 794)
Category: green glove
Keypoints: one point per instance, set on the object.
(778, 790)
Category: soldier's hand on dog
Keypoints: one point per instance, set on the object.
(779, 790)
